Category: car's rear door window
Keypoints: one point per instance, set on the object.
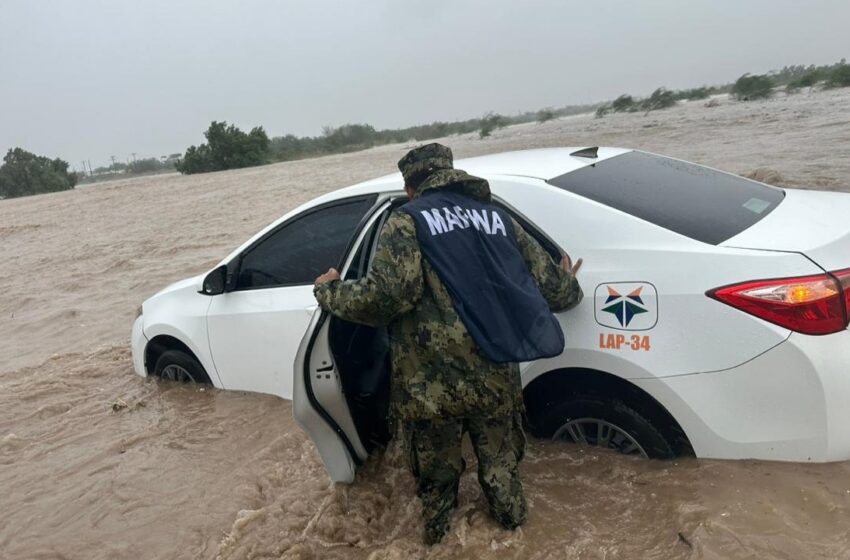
(695, 201)
(302, 248)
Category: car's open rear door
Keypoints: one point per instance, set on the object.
(319, 402)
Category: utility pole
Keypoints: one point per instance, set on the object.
(90, 173)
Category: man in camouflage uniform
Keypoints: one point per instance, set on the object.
(442, 385)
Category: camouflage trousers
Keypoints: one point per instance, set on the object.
(434, 454)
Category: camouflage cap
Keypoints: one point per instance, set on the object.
(422, 161)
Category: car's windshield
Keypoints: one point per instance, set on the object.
(701, 203)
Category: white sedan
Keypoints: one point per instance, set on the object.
(714, 321)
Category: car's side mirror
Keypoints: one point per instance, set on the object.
(215, 282)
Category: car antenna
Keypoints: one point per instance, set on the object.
(591, 153)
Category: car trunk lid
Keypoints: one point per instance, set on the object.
(814, 223)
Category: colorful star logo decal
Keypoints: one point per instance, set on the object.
(624, 308)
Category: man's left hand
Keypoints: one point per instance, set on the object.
(329, 276)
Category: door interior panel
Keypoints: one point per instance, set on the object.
(362, 357)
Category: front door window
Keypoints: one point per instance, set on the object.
(303, 248)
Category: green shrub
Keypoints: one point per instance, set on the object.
(349, 137)
(227, 147)
(623, 103)
(490, 122)
(807, 80)
(602, 111)
(749, 87)
(546, 114)
(661, 98)
(839, 77)
(24, 173)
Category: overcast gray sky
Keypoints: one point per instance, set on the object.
(89, 79)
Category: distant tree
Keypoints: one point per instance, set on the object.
(289, 147)
(661, 98)
(602, 111)
(490, 122)
(839, 76)
(623, 103)
(147, 165)
(693, 94)
(197, 159)
(749, 87)
(806, 80)
(24, 173)
(227, 147)
(546, 114)
(349, 137)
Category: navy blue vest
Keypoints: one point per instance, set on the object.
(473, 249)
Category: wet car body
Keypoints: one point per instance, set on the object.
(714, 320)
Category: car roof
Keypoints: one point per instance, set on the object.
(543, 163)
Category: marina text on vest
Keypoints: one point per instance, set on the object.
(462, 218)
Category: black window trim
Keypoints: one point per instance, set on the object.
(235, 265)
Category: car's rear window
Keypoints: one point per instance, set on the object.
(692, 200)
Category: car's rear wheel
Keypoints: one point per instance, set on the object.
(605, 422)
(175, 365)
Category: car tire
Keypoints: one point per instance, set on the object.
(621, 427)
(174, 365)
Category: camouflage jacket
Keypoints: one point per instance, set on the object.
(437, 369)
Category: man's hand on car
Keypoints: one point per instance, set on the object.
(329, 276)
(567, 264)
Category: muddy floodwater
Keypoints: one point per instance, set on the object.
(96, 462)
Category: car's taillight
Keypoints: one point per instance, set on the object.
(806, 304)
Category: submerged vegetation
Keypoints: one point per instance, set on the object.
(748, 88)
(490, 122)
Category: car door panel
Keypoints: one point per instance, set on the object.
(252, 336)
